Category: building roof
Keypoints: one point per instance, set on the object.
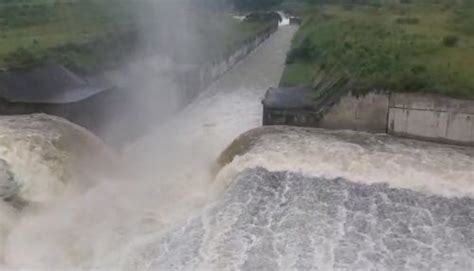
(49, 83)
(289, 98)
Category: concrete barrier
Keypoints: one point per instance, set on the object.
(431, 117)
(195, 79)
(423, 116)
(297, 107)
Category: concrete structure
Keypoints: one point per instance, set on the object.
(290, 106)
(296, 20)
(362, 113)
(431, 117)
(46, 84)
(297, 106)
(54, 90)
(195, 79)
(423, 116)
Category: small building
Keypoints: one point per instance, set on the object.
(290, 106)
(296, 20)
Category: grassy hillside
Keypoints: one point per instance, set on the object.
(32, 31)
(90, 35)
(402, 47)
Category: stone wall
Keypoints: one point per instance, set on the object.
(431, 117)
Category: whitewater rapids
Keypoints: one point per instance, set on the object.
(43, 158)
(360, 157)
(278, 198)
(165, 178)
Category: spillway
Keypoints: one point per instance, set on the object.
(279, 198)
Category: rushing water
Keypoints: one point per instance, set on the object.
(288, 221)
(291, 199)
(284, 19)
(43, 158)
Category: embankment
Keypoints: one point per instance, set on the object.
(431, 117)
(423, 116)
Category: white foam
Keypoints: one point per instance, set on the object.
(28, 147)
(41, 151)
(169, 178)
(366, 158)
(99, 228)
(284, 19)
(8, 218)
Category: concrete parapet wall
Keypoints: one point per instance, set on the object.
(196, 80)
(432, 117)
(422, 116)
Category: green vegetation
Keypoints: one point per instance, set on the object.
(69, 31)
(255, 4)
(91, 35)
(220, 34)
(416, 46)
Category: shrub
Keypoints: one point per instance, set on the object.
(25, 15)
(418, 69)
(407, 20)
(463, 19)
(23, 58)
(446, 7)
(412, 83)
(450, 41)
(305, 52)
(326, 16)
(348, 6)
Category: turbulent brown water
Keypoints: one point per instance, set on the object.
(293, 199)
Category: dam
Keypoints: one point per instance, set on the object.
(278, 198)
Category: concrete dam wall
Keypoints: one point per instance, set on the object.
(423, 116)
(431, 117)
